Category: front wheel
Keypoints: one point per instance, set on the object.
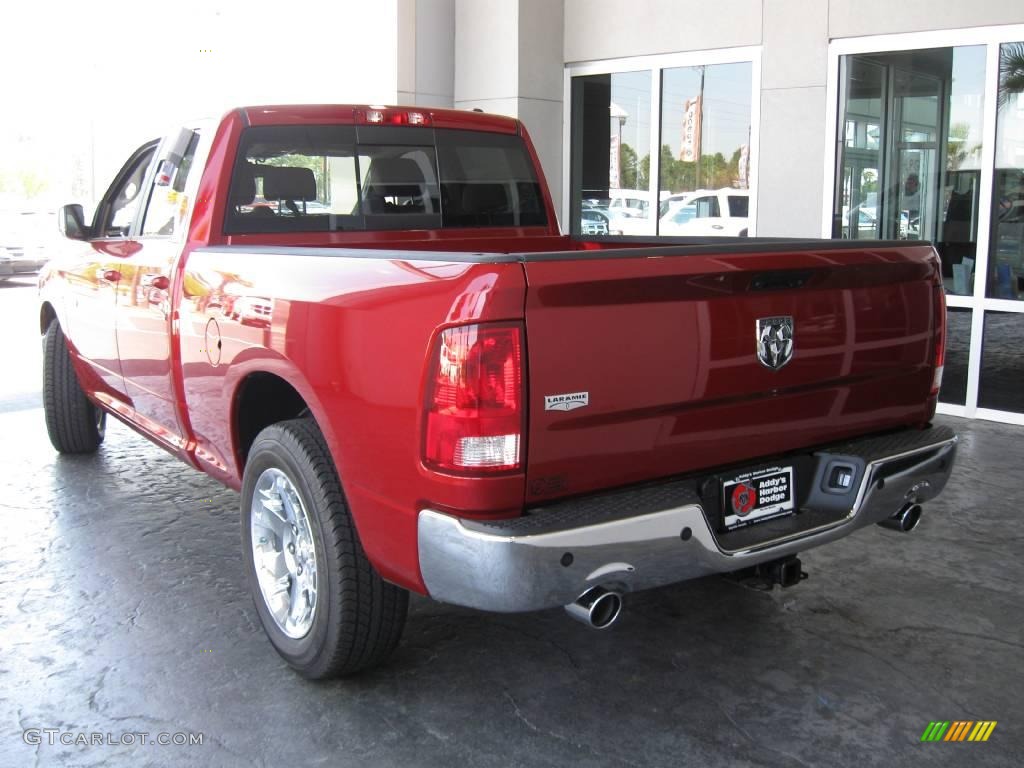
(325, 609)
(73, 423)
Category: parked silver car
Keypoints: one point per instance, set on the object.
(24, 237)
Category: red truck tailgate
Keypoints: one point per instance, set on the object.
(665, 347)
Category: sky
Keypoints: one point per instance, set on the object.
(86, 83)
(727, 92)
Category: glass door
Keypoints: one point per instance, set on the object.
(942, 121)
(857, 212)
(910, 208)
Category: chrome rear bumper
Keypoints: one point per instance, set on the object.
(652, 536)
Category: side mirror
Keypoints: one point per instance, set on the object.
(71, 222)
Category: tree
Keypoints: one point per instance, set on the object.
(628, 166)
(676, 175)
(633, 171)
(32, 184)
(868, 181)
(1011, 71)
(956, 147)
(681, 175)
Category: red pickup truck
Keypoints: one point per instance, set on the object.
(366, 320)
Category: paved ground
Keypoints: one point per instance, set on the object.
(122, 610)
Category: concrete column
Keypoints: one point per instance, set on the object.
(541, 66)
(426, 52)
(508, 60)
(792, 138)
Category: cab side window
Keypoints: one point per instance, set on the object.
(121, 205)
(168, 204)
(739, 206)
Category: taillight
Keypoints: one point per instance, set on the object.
(383, 115)
(474, 420)
(940, 340)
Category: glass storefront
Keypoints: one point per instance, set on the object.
(1002, 370)
(911, 152)
(705, 150)
(699, 117)
(930, 147)
(1006, 257)
(611, 152)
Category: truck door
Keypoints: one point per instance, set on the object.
(93, 275)
(144, 303)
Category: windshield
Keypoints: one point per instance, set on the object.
(668, 204)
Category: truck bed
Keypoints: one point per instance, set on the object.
(661, 337)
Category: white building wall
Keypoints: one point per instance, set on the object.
(426, 52)
(610, 29)
(794, 35)
(856, 18)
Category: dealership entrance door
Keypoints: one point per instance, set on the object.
(895, 175)
(929, 146)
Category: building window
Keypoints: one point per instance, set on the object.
(705, 150)
(698, 111)
(910, 163)
(958, 350)
(929, 146)
(611, 152)
(1002, 366)
(1006, 256)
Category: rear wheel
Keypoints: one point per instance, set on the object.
(73, 423)
(324, 607)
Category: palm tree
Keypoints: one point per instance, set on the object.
(1011, 71)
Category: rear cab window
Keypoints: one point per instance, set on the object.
(339, 177)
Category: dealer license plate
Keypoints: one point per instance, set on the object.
(754, 497)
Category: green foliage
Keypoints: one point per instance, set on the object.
(634, 172)
(1011, 71)
(956, 147)
(714, 172)
(32, 184)
(25, 184)
(868, 181)
(627, 166)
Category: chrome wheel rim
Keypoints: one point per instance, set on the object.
(283, 553)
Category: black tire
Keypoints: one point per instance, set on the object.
(359, 617)
(73, 423)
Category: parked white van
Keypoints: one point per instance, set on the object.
(706, 212)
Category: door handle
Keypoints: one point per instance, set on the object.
(160, 282)
(717, 226)
(110, 275)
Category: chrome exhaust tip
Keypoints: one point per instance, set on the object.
(598, 608)
(905, 520)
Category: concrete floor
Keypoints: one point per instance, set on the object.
(123, 609)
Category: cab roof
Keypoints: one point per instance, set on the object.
(367, 114)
